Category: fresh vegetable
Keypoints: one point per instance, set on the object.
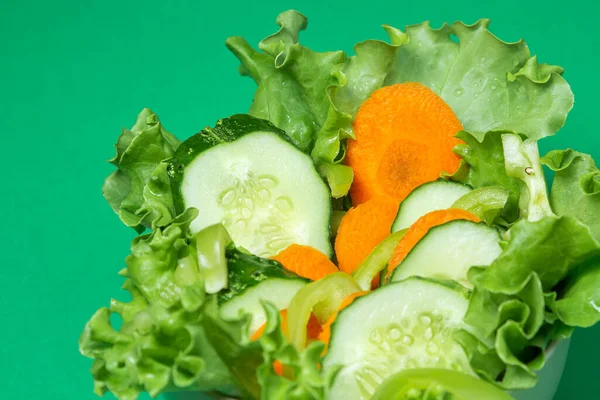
(252, 281)
(508, 313)
(487, 269)
(561, 244)
(404, 138)
(139, 191)
(245, 173)
(448, 251)
(211, 244)
(306, 262)
(576, 187)
(164, 341)
(419, 229)
(362, 228)
(490, 84)
(323, 298)
(172, 337)
(377, 261)
(325, 333)
(484, 166)
(486, 203)
(430, 196)
(579, 304)
(522, 161)
(292, 93)
(261, 330)
(400, 326)
(430, 383)
(313, 328)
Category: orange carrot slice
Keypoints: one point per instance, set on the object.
(419, 229)
(362, 229)
(306, 261)
(325, 334)
(404, 137)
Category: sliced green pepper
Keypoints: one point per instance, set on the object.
(377, 260)
(429, 383)
(323, 298)
(211, 243)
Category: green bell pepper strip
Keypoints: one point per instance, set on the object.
(323, 298)
(429, 383)
(377, 260)
(211, 243)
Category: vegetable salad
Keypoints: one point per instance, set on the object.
(377, 226)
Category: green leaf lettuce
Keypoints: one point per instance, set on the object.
(172, 337)
(139, 190)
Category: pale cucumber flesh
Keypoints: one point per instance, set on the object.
(431, 196)
(400, 326)
(279, 292)
(264, 190)
(449, 250)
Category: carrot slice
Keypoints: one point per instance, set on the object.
(404, 137)
(306, 261)
(362, 229)
(419, 229)
(325, 334)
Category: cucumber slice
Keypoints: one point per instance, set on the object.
(253, 280)
(430, 196)
(246, 174)
(400, 326)
(448, 251)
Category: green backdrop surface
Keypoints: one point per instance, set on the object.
(72, 73)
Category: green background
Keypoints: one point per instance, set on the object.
(73, 73)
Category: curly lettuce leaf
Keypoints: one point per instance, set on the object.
(292, 87)
(163, 343)
(576, 187)
(551, 247)
(156, 349)
(488, 83)
(578, 303)
(172, 337)
(540, 286)
(302, 378)
(139, 190)
(502, 339)
(162, 264)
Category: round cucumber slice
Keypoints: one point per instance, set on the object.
(246, 174)
(253, 280)
(449, 250)
(400, 326)
(428, 197)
